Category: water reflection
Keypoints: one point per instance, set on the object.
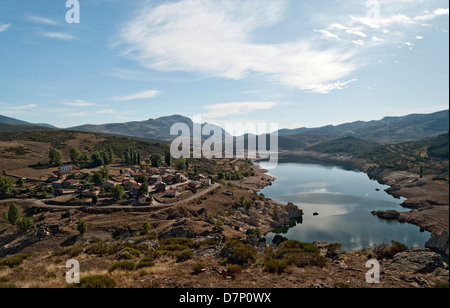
(344, 200)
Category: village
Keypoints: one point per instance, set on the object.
(135, 186)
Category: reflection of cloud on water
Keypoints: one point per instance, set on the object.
(355, 231)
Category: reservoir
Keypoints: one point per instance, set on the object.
(337, 202)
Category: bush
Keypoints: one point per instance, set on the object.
(240, 253)
(13, 215)
(146, 227)
(233, 270)
(122, 266)
(308, 259)
(384, 251)
(183, 255)
(25, 224)
(82, 226)
(304, 247)
(13, 261)
(198, 268)
(95, 282)
(130, 253)
(145, 263)
(275, 266)
(99, 249)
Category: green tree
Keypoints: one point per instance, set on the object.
(6, 187)
(82, 226)
(143, 190)
(156, 160)
(25, 224)
(94, 199)
(181, 164)
(55, 157)
(84, 158)
(146, 228)
(13, 214)
(75, 155)
(97, 159)
(118, 192)
(168, 158)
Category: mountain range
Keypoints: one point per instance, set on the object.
(390, 130)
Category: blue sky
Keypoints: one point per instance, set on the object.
(292, 62)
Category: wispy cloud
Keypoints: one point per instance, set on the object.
(41, 20)
(58, 35)
(4, 27)
(77, 103)
(238, 108)
(22, 108)
(215, 40)
(140, 95)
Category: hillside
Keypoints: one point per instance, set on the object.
(386, 131)
(18, 125)
(346, 145)
(151, 129)
(26, 153)
(430, 155)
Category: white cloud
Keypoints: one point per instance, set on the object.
(59, 36)
(238, 108)
(215, 39)
(4, 27)
(140, 95)
(77, 103)
(22, 108)
(41, 20)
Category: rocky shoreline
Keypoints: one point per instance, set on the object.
(427, 199)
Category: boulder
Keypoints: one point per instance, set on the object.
(439, 242)
(293, 211)
(416, 261)
(278, 239)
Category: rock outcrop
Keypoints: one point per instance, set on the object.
(439, 242)
(422, 261)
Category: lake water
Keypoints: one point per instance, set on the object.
(344, 199)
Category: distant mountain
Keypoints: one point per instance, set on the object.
(14, 128)
(12, 121)
(7, 120)
(150, 129)
(389, 130)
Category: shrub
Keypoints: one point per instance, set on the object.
(233, 270)
(132, 252)
(308, 259)
(198, 268)
(98, 249)
(146, 227)
(384, 251)
(82, 226)
(183, 255)
(13, 261)
(275, 266)
(240, 253)
(13, 215)
(25, 224)
(95, 282)
(145, 263)
(304, 247)
(122, 266)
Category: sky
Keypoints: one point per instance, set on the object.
(295, 63)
